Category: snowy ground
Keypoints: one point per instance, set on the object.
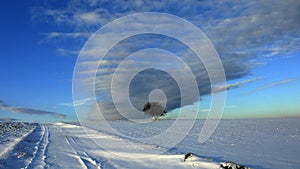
(257, 143)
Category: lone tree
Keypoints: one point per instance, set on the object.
(154, 109)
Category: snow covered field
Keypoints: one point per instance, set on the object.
(256, 143)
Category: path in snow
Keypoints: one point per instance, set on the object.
(260, 143)
(70, 147)
(26, 153)
(63, 145)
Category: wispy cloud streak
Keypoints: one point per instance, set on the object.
(29, 111)
(234, 85)
(278, 83)
(8, 119)
(78, 103)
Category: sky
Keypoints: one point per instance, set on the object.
(257, 42)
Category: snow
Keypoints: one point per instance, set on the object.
(11, 133)
(84, 152)
(256, 143)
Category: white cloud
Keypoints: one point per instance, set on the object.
(277, 83)
(8, 119)
(245, 29)
(269, 85)
(234, 85)
(78, 103)
(29, 111)
(66, 52)
(53, 35)
(89, 17)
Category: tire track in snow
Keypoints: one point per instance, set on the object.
(86, 159)
(137, 158)
(74, 140)
(25, 151)
(110, 140)
(73, 144)
(39, 160)
(36, 147)
(46, 144)
(60, 153)
(81, 161)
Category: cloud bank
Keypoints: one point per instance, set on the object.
(8, 119)
(21, 110)
(237, 28)
(244, 33)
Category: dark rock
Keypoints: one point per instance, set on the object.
(187, 156)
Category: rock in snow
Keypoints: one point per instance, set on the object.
(232, 165)
(187, 156)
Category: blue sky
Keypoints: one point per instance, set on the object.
(257, 41)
